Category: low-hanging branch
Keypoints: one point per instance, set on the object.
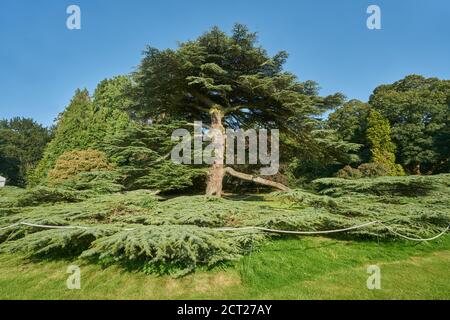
(249, 177)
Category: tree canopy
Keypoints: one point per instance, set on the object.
(141, 155)
(22, 143)
(350, 121)
(418, 110)
(382, 150)
(229, 80)
(87, 122)
(231, 73)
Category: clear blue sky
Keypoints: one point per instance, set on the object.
(42, 62)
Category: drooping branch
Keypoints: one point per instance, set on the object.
(249, 177)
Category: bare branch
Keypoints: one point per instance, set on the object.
(249, 177)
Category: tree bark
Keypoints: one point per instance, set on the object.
(249, 177)
(216, 172)
(416, 169)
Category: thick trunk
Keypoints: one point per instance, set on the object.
(248, 177)
(216, 172)
(416, 169)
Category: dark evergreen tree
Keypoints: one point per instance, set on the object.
(227, 81)
(141, 154)
(87, 122)
(418, 109)
(22, 143)
(382, 149)
(350, 123)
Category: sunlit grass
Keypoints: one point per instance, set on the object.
(316, 268)
(293, 268)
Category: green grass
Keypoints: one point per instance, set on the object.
(320, 268)
(176, 235)
(289, 268)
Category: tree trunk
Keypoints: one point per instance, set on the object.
(416, 169)
(216, 172)
(248, 177)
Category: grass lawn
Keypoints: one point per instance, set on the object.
(179, 234)
(290, 268)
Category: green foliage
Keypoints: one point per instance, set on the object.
(41, 195)
(326, 153)
(9, 195)
(350, 122)
(85, 124)
(365, 170)
(230, 71)
(232, 74)
(304, 199)
(375, 131)
(349, 173)
(72, 163)
(110, 100)
(379, 135)
(71, 133)
(418, 110)
(18, 232)
(95, 209)
(201, 211)
(381, 147)
(399, 186)
(375, 169)
(98, 182)
(168, 249)
(56, 242)
(22, 143)
(179, 235)
(141, 154)
(112, 95)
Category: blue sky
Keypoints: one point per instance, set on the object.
(42, 62)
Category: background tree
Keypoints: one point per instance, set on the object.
(382, 149)
(325, 156)
(227, 81)
(22, 142)
(442, 144)
(350, 123)
(72, 163)
(87, 122)
(417, 109)
(141, 154)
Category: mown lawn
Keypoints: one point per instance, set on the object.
(290, 268)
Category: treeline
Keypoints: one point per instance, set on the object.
(22, 142)
(416, 112)
(120, 135)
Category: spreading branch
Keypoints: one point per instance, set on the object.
(249, 177)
